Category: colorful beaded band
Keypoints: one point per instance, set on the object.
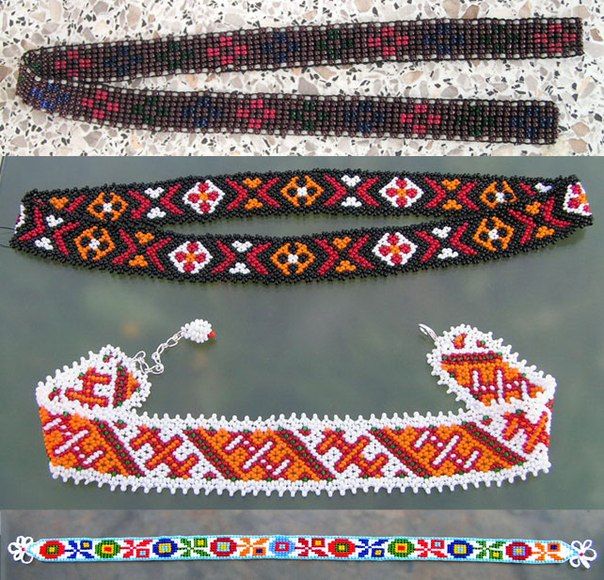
(72, 81)
(93, 433)
(117, 227)
(307, 547)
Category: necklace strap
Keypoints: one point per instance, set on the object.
(480, 218)
(93, 431)
(75, 80)
(303, 547)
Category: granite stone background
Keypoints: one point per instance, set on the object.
(576, 84)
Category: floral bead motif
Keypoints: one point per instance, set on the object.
(94, 244)
(190, 257)
(494, 234)
(120, 227)
(576, 201)
(394, 249)
(203, 197)
(108, 206)
(227, 51)
(101, 105)
(401, 192)
(303, 547)
(293, 259)
(77, 81)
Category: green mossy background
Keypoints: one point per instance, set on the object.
(331, 348)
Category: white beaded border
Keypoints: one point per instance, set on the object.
(536, 461)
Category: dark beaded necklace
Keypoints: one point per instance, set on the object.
(74, 81)
(118, 227)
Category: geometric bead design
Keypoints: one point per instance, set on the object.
(78, 81)
(92, 432)
(304, 547)
(474, 218)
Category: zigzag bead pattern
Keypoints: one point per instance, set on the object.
(303, 547)
(93, 433)
(479, 218)
(75, 81)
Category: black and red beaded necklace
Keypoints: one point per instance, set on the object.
(75, 80)
(479, 218)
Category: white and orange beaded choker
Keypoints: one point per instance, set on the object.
(93, 433)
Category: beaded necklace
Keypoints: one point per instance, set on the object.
(303, 547)
(93, 433)
(480, 218)
(74, 81)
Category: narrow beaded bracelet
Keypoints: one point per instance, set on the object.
(118, 227)
(74, 80)
(93, 433)
(303, 547)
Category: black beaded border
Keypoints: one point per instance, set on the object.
(28, 80)
(577, 222)
(318, 174)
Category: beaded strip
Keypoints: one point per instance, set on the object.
(117, 227)
(93, 433)
(74, 80)
(303, 547)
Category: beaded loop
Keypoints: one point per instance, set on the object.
(93, 433)
(75, 81)
(479, 218)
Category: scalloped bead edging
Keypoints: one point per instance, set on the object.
(93, 432)
(303, 489)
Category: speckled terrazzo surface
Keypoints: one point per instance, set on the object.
(576, 84)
